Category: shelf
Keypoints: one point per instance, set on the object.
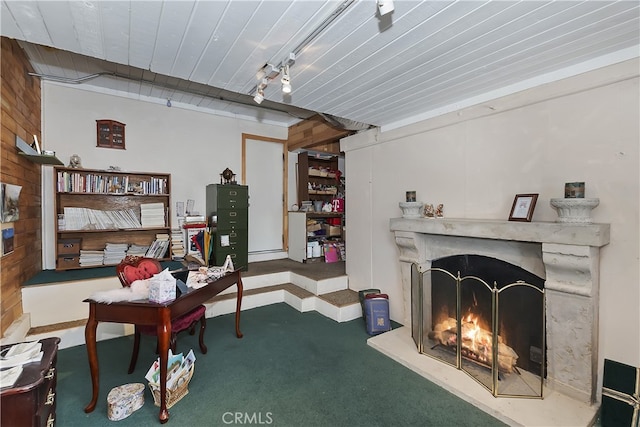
(97, 193)
(115, 230)
(27, 151)
(42, 159)
(116, 199)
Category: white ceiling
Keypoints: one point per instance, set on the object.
(423, 59)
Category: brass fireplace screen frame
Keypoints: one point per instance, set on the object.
(520, 384)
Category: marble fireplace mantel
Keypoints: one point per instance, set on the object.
(566, 255)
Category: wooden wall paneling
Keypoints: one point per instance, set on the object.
(315, 134)
(20, 115)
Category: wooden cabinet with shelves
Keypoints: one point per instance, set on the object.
(96, 207)
(305, 232)
(318, 177)
(110, 134)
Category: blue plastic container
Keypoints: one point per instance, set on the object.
(376, 308)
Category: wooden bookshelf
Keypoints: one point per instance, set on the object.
(95, 207)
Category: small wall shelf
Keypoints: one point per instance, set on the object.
(27, 151)
(43, 159)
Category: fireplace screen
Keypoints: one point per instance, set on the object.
(500, 325)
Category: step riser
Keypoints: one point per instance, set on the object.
(37, 300)
(75, 336)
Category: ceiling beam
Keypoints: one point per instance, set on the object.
(315, 134)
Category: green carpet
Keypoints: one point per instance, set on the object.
(290, 369)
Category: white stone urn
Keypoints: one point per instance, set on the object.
(574, 210)
(411, 209)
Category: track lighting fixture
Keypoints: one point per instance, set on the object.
(259, 97)
(269, 72)
(385, 6)
(286, 80)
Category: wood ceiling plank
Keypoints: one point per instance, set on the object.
(88, 27)
(174, 19)
(60, 32)
(8, 23)
(229, 27)
(115, 37)
(144, 18)
(201, 31)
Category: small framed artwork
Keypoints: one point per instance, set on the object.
(522, 209)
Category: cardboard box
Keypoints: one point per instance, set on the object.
(68, 261)
(69, 246)
(313, 227)
(331, 230)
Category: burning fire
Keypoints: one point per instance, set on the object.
(477, 342)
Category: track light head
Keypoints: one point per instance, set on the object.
(286, 80)
(385, 6)
(259, 97)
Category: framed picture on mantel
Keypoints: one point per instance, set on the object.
(522, 208)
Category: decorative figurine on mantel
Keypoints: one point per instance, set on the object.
(429, 211)
(440, 211)
(228, 176)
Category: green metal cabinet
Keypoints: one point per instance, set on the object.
(230, 204)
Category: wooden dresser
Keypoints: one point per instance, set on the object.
(32, 399)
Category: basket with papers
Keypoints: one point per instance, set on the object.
(179, 373)
(173, 395)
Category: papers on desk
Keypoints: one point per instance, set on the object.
(21, 354)
(8, 377)
(12, 358)
(198, 279)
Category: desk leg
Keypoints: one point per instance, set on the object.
(90, 339)
(164, 334)
(238, 305)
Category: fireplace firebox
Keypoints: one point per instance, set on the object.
(486, 317)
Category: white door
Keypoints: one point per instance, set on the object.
(264, 166)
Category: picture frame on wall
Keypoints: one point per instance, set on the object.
(523, 206)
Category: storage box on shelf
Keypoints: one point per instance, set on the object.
(100, 207)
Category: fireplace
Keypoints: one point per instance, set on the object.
(485, 317)
(566, 257)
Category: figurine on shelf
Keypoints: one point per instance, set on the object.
(440, 211)
(429, 212)
(74, 161)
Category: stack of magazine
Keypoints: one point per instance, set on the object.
(14, 357)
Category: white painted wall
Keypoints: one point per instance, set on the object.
(193, 146)
(475, 160)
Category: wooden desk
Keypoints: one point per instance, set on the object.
(161, 315)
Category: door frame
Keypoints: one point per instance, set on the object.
(285, 177)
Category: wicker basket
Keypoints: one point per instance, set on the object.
(173, 395)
